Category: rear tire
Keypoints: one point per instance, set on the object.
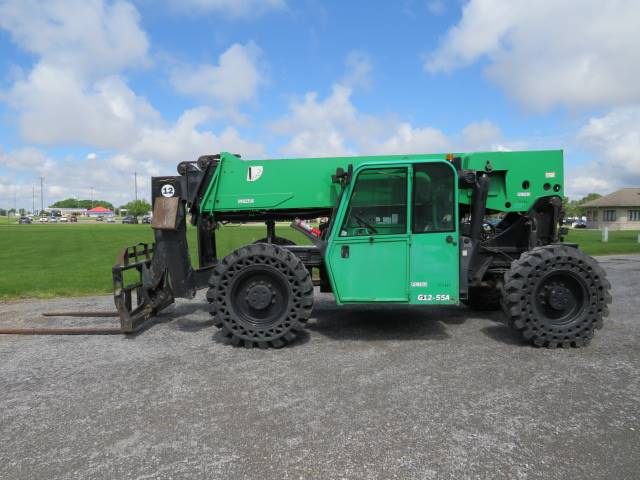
(484, 299)
(556, 296)
(261, 295)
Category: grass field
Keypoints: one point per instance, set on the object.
(62, 260)
(591, 241)
(76, 259)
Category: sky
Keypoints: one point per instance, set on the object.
(92, 91)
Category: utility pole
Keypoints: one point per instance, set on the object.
(91, 197)
(33, 199)
(41, 194)
(135, 184)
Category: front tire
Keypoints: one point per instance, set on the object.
(556, 296)
(261, 295)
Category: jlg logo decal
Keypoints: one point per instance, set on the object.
(254, 173)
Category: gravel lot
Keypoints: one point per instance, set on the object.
(368, 393)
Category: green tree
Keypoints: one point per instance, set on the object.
(579, 204)
(88, 204)
(67, 203)
(574, 208)
(3, 212)
(137, 208)
(569, 207)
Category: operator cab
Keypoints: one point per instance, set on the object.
(395, 235)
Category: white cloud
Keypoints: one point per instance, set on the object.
(76, 95)
(578, 53)
(359, 69)
(155, 151)
(614, 140)
(334, 126)
(56, 107)
(436, 7)
(230, 8)
(183, 141)
(90, 37)
(314, 126)
(62, 179)
(233, 81)
(26, 159)
(409, 139)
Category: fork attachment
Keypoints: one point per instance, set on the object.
(139, 298)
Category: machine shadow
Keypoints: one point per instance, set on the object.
(179, 314)
(502, 333)
(367, 323)
(375, 322)
(355, 323)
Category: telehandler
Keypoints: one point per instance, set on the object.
(481, 229)
(407, 229)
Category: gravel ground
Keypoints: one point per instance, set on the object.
(368, 393)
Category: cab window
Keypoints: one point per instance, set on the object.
(433, 190)
(378, 204)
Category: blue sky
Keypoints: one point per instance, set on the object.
(91, 91)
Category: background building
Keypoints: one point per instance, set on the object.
(619, 210)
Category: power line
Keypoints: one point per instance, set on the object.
(135, 184)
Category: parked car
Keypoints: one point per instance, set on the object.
(111, 220)
(63, 219)
(99, 219)
(24, 220)
(130, 219)
(146, 219)
(579, 225)
(73, 219)
(43, 219)
(53, 219)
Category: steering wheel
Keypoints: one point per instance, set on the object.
(365, 224)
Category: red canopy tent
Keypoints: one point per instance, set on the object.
(99, 212)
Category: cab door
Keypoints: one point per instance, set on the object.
(434, 254)
(368, 256)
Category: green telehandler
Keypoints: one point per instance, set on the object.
(481, 229)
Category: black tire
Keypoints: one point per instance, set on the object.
(556, 296)
(261, 295)
(276, 241)
(484, 298)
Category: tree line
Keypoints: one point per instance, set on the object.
(85, 204)
(135, 207)
(575, 208)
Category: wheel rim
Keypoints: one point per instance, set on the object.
(260, 296)
(560, 297)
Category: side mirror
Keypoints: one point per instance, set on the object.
(337, 177)
(342, 177)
